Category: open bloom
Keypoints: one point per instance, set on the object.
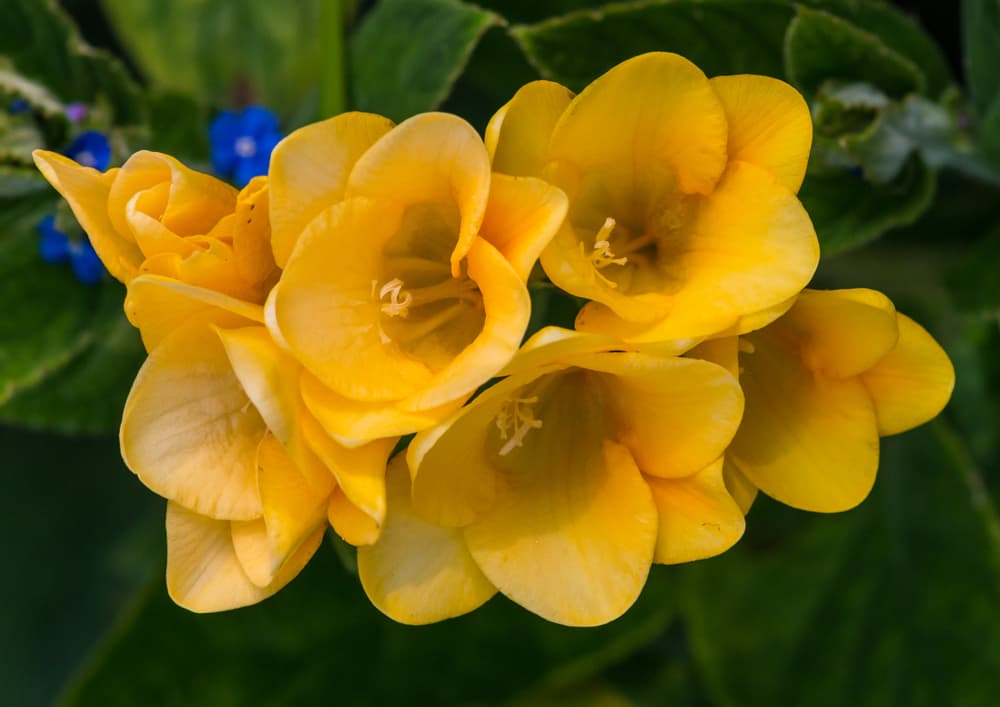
(560, 485)
(823, 383)
(683, 220)
(405, 262)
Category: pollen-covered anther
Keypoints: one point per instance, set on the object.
(602, 256)
(399, 299)
(514, 421)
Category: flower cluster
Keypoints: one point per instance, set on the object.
(374, 283)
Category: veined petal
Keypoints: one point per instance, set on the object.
(675, 415)
(806, 440)
(698, 516)
(309, 171)
(352, 524)
(348, 419)
(359, 471)
(327, 312)
(842, 333)
(430, 158)
(269, 376)
(769, 125)
(418, 573)
(517, 136)
(158, 306)
(507, 307)
(203, 571)
(571, 532)
(521, 217)
(552, 344)
(912, 383)
(750, 247)
(87, 190)
(189, 430)
(250, 543)
(650, 122)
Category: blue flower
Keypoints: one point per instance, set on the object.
(242, 143)
(18, 105)
(91, 149)
(55, 247)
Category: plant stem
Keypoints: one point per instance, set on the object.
(332, 93)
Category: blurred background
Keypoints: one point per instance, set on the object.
(894, 603)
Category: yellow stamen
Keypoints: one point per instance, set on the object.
(602, 256)
(516, 414)
(399, 300)
(745, 346)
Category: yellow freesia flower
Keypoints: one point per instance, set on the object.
(405, 262)
(823, 383)
(560, 485)
(683, 220)
(214, 424)
(184, 243)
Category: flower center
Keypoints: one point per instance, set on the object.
(245, 146)
(602, 256)
(399, 301)
(515, 420)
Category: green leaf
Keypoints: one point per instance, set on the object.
(45, 48)
(18, 181)
(224, 52)
(178, 125)
(88, 394)
(395, 75)
(720, 36)
(892, 603)
(319, 636)
(980, 39)
(848, 211)
(50, 315)
(820, 47)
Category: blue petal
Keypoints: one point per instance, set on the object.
(91, 149)
(248, 168)
(86, 265)
(223, 132)
(53, 245)
(257, 121)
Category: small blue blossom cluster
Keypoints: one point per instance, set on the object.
(90, 148)
(242, 143)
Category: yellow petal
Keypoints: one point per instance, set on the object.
(350, 522)
(430, 158)
(87, 190)
(553, 344)
(189, 430)
(348, 419)
(698, 517)
(269, 376)
(203, 571)
(159, 201)
(158, 306)
(359, 471)
(325, 309)
(769, 125)
(842, 333)
(806, 440)
(293, 509)
(309, 171)
(507, 308)
(650, 123)
(739, 486)
(750, 247)
(252, 233)
(250, 543)
(676, 415)
(521, 217)
(418, 573)
(912, 383)
(571, 532)
(517, 137)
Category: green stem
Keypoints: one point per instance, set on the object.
(332, 93)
